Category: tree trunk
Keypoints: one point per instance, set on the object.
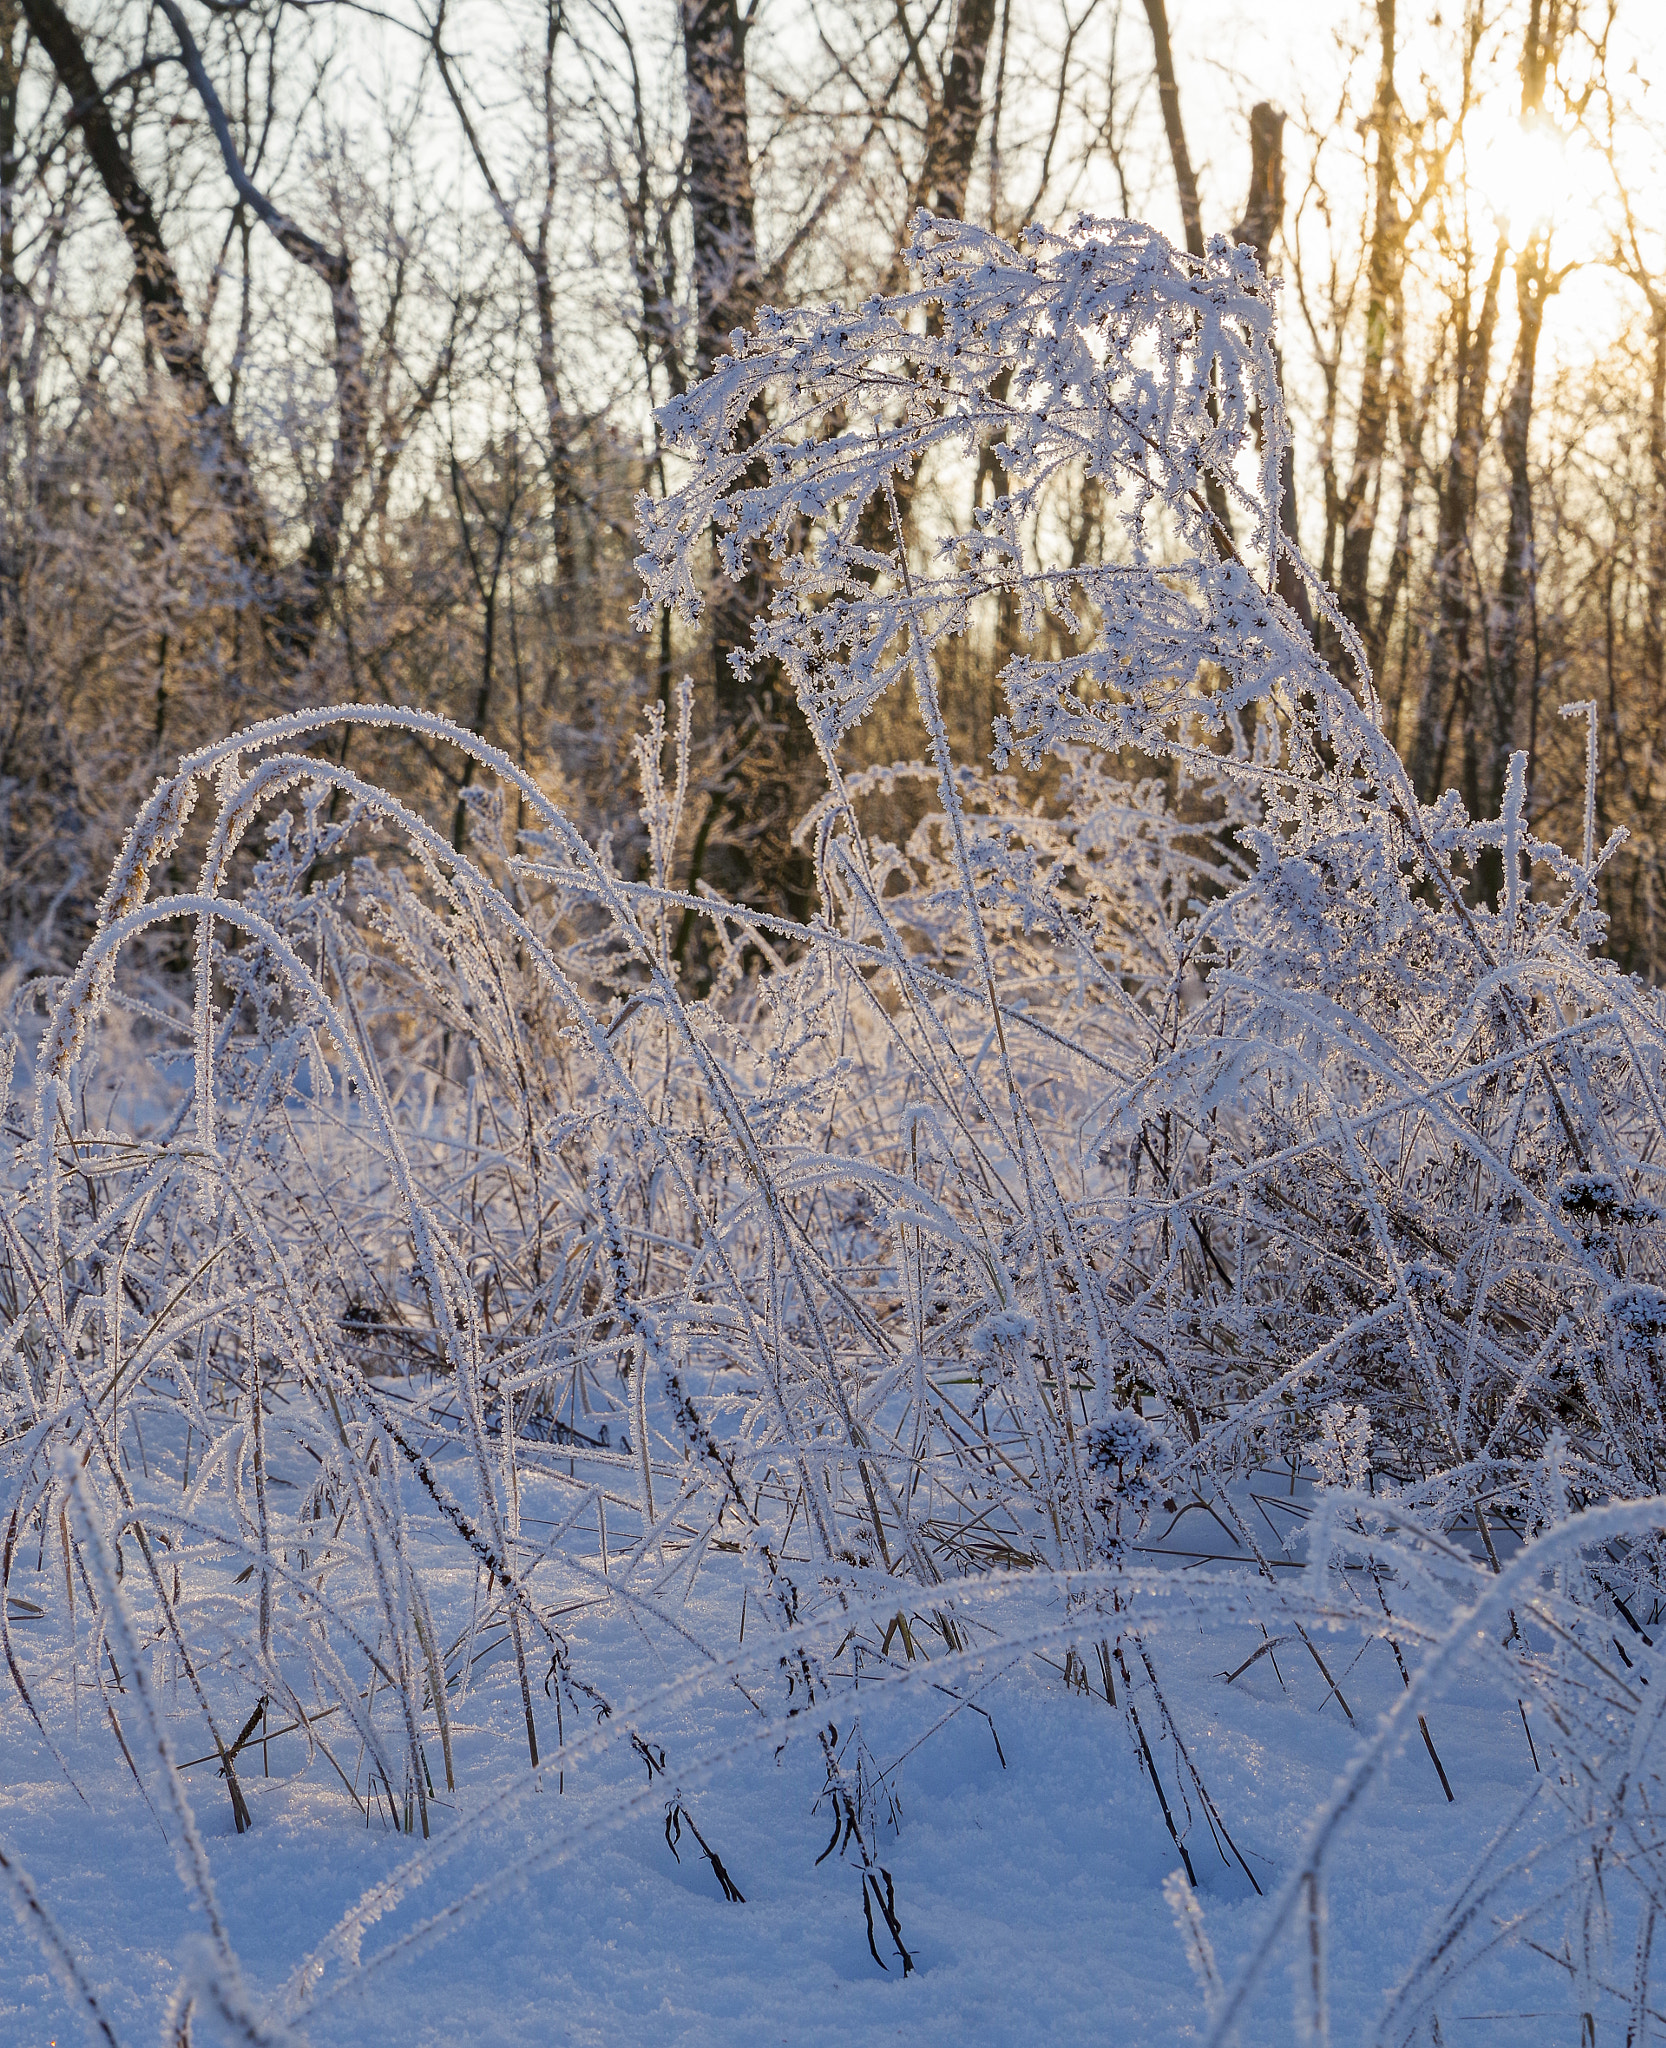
(721, 208)
(1191, 213)
(1504, 715)
(953, 118)
(952, 138)
(1168, 93)
(1263, 216)
(1449, 680)
(765, 739)
(566, 499)
(726, 276)
(10, 305)
(1357, 513)
(1654, 570)
(1413, 418)
(1511, 721)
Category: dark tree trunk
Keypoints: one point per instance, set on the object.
(726, 280)
(1191, 213)
(1357, 511)
(1263, 217)
(1168, 93)
(1450, 678)
(10, 304)
(952, 137)
(1510, 713)
(1413, 418)
(1654, 570)
(726, 275)
(954, 116)
(765, 738)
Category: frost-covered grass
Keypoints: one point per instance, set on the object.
(1136, 1333)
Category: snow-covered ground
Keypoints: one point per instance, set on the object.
(1029, 1892)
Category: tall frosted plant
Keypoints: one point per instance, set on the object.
(1372, 1172)
(1465, 1092)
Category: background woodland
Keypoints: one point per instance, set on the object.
(331, 340)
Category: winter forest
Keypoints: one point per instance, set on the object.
(832, 1060)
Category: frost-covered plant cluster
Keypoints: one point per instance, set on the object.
(1168, 1104)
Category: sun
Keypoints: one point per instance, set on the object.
(1532, 177)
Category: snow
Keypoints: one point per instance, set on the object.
(1030, 1893)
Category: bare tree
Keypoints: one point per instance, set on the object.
(169, 327)
(288, 606)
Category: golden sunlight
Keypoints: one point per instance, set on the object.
(1530, 177)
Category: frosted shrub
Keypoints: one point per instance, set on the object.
(1080, 1155)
